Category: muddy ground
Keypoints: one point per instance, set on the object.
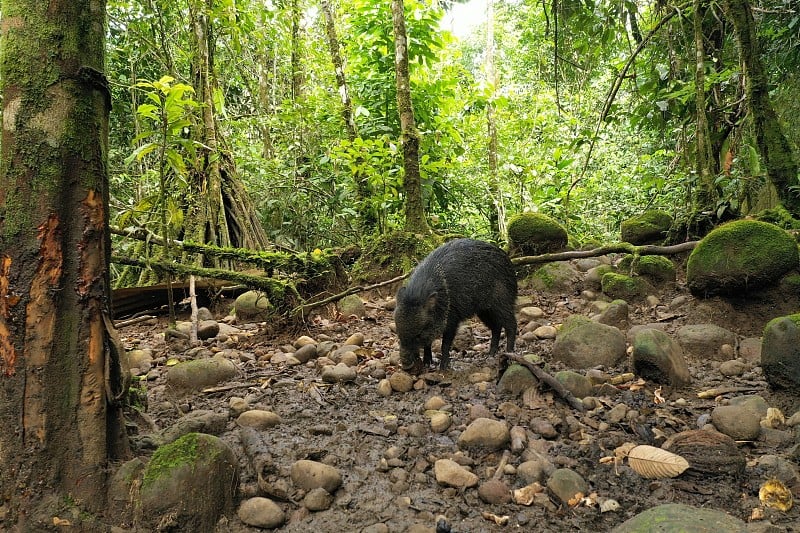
(352, 427)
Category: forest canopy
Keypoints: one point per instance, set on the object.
(585, 110)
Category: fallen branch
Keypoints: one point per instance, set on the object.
(622, 247)
(550, 381)
(304, 309)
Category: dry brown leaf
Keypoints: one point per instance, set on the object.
(497, 519)
(651, 462)
(575, 500)
(775, 495)
(657, 398)
(526, 495)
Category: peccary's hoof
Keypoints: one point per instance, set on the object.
(414, 368)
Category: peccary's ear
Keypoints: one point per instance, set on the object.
(430, 303)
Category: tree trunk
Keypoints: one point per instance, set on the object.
(409, 136)
(369, 218)
(498, 225)
(59, 364)
(705, 192)
(773, 147)
(219, 210)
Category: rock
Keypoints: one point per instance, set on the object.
(261, 512)
(252, 305)
(352, 305)
(318, 499)
(440, 421)
(615, 314)
(546, 332)
(434, 403)
(140, 358)
(705, 341)
(755, 403)
(582, 343)
(485, 433)
(544, 428)
(494, 492)
(303, 340)
(534, 471)
(306, 353)
(620, 286)
(739, 256)
(194, 480)
(586, 263)
(516, 380)
(648, 228)
(309, 475)
(594, 276)
(200, 421)
(385, 387)
(734, 367)
(559, 276)
(675, 517)
(739, 423)
(238, 405)
(356, 339)
(258, 419)
(750, 350)
(654, 268)
(534, 234)
(340, 373)
(200, 373)
(657, 357)
(452, 474)
(780, 352)
(566, 483)
(531, 313)
(401, 381)
(577, 384)
(616, 414)
(204, 314)
(121, 485)
(207, 329)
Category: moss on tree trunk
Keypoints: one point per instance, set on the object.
(59, 363)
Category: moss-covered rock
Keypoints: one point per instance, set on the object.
(654, 267)
(779, 216)
(738, 256)
(620, 286)
(194, 480)
(535, 234)
(780, 352)
(391, 255)
(677, 517)
(648, 228)
(553, 277)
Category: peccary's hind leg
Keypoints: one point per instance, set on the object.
(427, 357)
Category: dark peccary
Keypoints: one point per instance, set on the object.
(460, 279)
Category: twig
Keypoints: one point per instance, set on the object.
(550, 381)
(622, 247)
(305, 308)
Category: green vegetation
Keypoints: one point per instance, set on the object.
(587, 129)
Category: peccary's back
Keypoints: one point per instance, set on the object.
(470, 276)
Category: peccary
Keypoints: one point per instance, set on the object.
(459, 279)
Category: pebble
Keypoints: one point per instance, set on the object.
(534, 471)
(238, 405)
(544, 428)
(306, 353)
(616, 414)
(566, 483)
(546, 332)
(384, 388)
(434, 403)
(258, 419)
(338, 374)
(305, 340)
(318, 499)
(261, 512)
(738, 422)
(440, 421)
(452, 474)
(401, 381)
(531, 313)
(309, 475)
(485, 433)
(356, 339)
(734, 367)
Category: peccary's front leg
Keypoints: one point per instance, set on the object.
(427, 357)
(447, 341)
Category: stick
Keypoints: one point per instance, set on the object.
(549, 380)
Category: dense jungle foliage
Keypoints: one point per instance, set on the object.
(585, 110)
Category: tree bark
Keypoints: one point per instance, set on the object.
(704, 194)
(219, 210)
(773, 147)
(409, 135)
(498, 223)
(369, 218)
(59, 358)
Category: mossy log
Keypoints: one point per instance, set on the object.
(622, 247)
(282, 294)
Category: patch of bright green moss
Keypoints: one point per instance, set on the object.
(171, 456)
(621, 286)
(534, 234)
(651, 226)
